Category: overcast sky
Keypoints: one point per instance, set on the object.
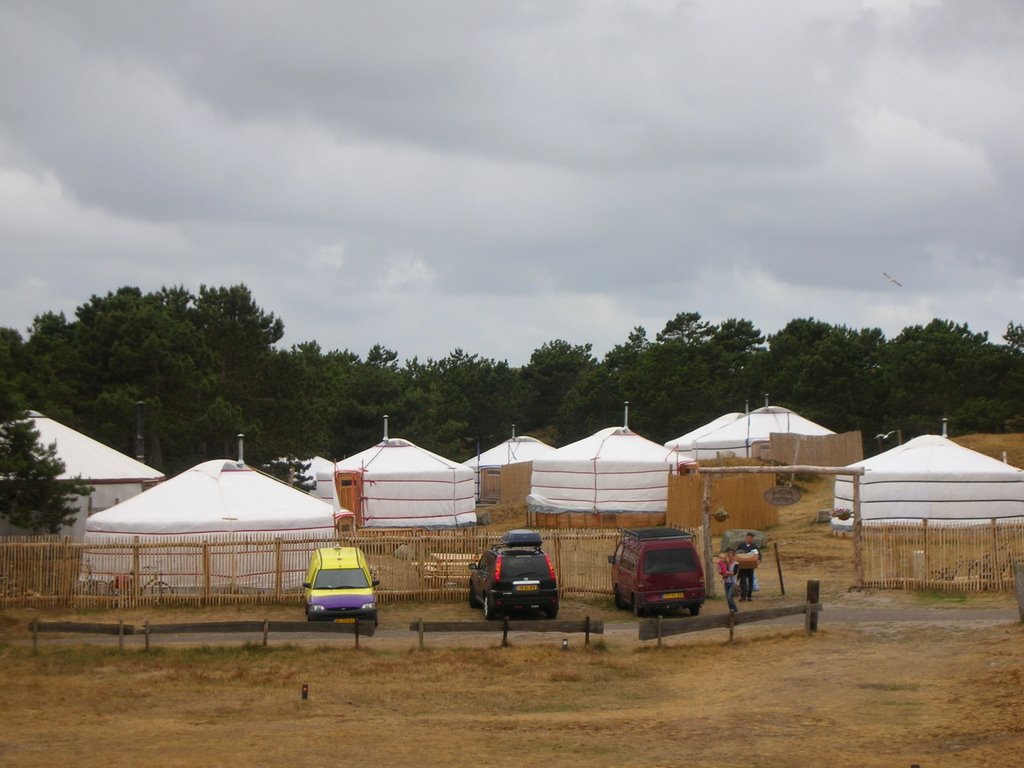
(495, 175)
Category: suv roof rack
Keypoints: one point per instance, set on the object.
(656, 533)
(520, 537)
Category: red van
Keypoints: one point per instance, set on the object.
(657, 569)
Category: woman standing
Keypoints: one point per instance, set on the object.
(729, 568)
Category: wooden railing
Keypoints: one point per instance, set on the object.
(411, 565)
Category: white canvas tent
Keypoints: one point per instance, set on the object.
(932, 478)
(321, 471)
(742, 436)
(397, 484)
(113, 476)
(487, 466)
(216, 501)
(686, 442)
(613, 470)
(216, 498)
(511, 451)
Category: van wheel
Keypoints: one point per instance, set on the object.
(551, 612)
(489, 613)
(694, 610)
(619, 602)
(637, 610)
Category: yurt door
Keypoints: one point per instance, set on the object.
(349, 485)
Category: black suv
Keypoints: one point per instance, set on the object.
(514, 574)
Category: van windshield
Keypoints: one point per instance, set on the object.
(669, 561)
(341, 578)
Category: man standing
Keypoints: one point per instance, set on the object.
(747, 571)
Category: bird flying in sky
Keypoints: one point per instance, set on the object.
(892, 279)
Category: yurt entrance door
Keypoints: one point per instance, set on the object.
(349, 485)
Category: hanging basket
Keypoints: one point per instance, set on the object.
(721, 515)
(843, 514)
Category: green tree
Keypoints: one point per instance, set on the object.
(31, 495)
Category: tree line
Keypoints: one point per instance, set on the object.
(208, 367)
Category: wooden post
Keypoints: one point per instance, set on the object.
(586, 631)
(145, 625)
(1018, 583)
(709, 565)
(206, 571)
(421, 633)
(266, 629)
(858, 560)
(35, 633)
(136, 583)
(278, 568)
(120, 634)
(813, 595)
(778, 563)
(504, 633)
(357, 634)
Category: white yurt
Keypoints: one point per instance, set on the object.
(614, 470)
(397, 484)
(932, 478)
(218, 502)
(114, 477)
(686, 442)
(743, 436)
(487, 465)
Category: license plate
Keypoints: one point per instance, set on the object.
(673, 595)
(344, 621)
(526, 588)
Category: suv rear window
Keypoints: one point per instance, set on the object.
(526, 566)
(669, 561)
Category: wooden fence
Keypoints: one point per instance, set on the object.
(953, 556)
(821, 450)
(412, 566)
(742, 496)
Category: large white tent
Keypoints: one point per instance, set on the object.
(933, 478)
(113, 476)
(217, 502)
(741, 436)
(511, 451)
(487, 466)
(613, 470)
(686, 442)
(216, 498)
(397, 484)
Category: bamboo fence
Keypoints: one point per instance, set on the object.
(412, 566)
(947, 556)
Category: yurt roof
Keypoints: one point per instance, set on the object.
(397, 455)
(685, 442)
(614, 444)
(511, 451)
(218, 496)
(90, 459)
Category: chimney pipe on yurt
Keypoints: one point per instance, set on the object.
(625, 418)
(944, 420)
(140, 440)
(385, 427)
(241, 450)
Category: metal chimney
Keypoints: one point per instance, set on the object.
(385, 427)
(944, 420)
(241, 452)
(625, 418)
(140, 431)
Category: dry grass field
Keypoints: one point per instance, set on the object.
(941, 692)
